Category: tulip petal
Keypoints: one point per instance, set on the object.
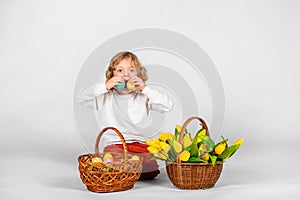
(177, 146)
(184, 156)
(187, 140)
(178, 128)
(220, 148)
(202, 132)
(152, 149)
(239, 142)
(165, 147)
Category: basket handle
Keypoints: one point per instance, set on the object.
(119, 134)
(186, 123)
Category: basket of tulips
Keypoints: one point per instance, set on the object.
(192, 163)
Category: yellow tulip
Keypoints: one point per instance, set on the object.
(205, 157)
(239, 142)
(169, 136)
(187, 141)
(220, 148)
(152, 149)
(202, 132)
(165, 136)
(199, 140)
(165, 147)
(178, 127)
(148, 142)
(154, 142)
(184, 156)
(177, 146)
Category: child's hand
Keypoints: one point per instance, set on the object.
(138, 82)
(114, 81)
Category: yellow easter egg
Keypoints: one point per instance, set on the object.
(107, 155)
(135, 157)
(96, 160)
(130, 86)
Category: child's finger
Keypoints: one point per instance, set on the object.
(135, 79)
(120, 80)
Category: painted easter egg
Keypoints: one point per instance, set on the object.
(130, 86)
(96, 160)
(120, 87)
(135, 157)
(117, 160)
(107, 155)
(108, 160)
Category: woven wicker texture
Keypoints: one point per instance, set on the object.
(113, 176)
(193, 176)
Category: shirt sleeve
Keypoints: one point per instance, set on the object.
(87, 96)
(157, 100)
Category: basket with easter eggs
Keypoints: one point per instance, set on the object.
(109, 172)
(192, 163)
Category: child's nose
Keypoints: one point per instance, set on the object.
(125, 72)
(126, 75)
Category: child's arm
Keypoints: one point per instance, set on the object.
(157, 100)
(87, 96)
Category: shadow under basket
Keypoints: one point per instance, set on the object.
(193, 176)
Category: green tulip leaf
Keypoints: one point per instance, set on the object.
(213, 159)
(194, 147)
(195, 159)
(222, 142)
(175, 137)
(229, 151)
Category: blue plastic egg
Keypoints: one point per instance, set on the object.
(121, 86)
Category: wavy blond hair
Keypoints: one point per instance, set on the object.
(141, 70)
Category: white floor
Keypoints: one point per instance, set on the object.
(245, 176)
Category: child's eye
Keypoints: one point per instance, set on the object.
(119, 70)
(132, 70)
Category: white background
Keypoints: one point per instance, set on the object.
(253, 44)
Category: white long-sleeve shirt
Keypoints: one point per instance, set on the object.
(128, 113)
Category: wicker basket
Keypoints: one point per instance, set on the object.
(193, 176)
(112, 176)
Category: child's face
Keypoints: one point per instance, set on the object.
(125, 69)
